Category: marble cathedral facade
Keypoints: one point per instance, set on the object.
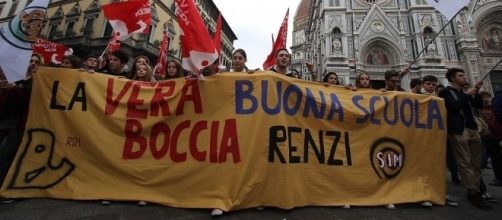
(351, 36)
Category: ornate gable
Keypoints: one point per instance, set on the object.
(93, 7)
(377, 24)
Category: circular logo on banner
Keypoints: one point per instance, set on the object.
(24, 28)
(387, 157)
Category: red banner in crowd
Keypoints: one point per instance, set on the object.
(52, 52)
(217, 35)
(198, 50)
(128, 18)
(113, 44)
(163, 53)
(279, 43)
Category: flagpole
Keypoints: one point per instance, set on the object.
(484, 77)
(155, 69)
(104, 51)
(437, 34)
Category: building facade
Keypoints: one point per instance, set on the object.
(299, 51)
(209, 14)
(81, 25)
(9, 8)
(372, 36)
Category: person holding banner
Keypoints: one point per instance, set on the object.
(91, 63)
(393, 80)
(116, 64)
(14, 107)
(138, 61)
(497, 105)
(174, 70)
(415, 85)
(363, 81)
(71, 62)
(492, 141)
(463, 132)
(428, 87)
(211, 70)
(331, 79)
(143, 73)
(239, 59)
(283, 59)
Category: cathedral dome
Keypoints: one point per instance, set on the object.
(303, 10)
(302, 14)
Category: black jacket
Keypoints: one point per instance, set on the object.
(497, 105)
(459, 109)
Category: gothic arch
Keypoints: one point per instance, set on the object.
(380, 52)
(489, 28)
(482, 13)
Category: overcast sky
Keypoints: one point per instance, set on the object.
(253, 21)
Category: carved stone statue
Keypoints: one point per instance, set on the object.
(337, 46)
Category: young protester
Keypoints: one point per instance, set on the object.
(91, 63)
(143, 73)
(14, 107)
(463, 134)
(174, 70)
(330, 79)
(71, 62)
(239, 59)
(138, 61)
(118, 59)
(415, 85)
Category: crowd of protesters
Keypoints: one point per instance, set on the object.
(474, 118)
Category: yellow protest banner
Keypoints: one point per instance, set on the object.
(231, 141)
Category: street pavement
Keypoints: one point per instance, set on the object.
(53, 209)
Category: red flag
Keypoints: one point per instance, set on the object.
(198, 49)
(279, 43)
(113, 44)
(164, 48)
(52, 52)
(217, 35)
(129, 17)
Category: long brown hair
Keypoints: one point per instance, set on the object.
(132, 73)
(358, 78)
(149, 74)
(179, 70)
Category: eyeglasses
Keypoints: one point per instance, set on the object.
(395, 80)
